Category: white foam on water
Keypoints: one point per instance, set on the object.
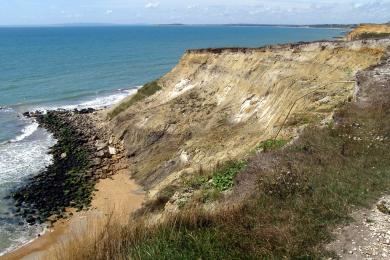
(27, 154)
(19, 159)
(6, 109)
(24, 237)
(96, 103)
(26, 132)
(106, 101)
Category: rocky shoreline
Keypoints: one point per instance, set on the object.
(85, 152)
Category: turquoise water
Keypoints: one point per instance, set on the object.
(43, 68)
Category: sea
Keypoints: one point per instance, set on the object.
(69, 67)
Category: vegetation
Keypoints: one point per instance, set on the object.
(142, 93)
(271, 144)
(223, 178)
(291, 199)
(373, 35)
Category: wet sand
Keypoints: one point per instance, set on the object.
(118, 197)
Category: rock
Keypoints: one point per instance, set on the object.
(30, 220)
(85, 111)
(325, 100)
(96, 161)
(184, 157)
(26, 114)
(63, 155)
(101, 153)
(100, 145)
(111, 140)
(112, 150)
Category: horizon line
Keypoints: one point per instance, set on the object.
(87, 24)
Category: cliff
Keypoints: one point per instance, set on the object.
(365, 31)
(219, 104)
(329, 101)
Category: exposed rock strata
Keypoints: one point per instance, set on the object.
(218, 104)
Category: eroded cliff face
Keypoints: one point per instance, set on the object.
(369, 31)
(219, 104)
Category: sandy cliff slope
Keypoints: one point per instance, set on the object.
(219, 104)
(369, 31)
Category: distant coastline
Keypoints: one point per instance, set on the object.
(321, 26)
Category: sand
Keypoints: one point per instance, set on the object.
(119, 197)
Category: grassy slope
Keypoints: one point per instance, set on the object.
(293, 198)
(142, 93)
(295, 201)
(367, 31)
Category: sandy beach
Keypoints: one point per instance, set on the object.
(118, 196)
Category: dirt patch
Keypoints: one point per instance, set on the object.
(368, 237)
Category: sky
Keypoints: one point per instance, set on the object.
(46, 12)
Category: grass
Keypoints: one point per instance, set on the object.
(271, 144)
(142, 93)
(373, 35)
(284, 202)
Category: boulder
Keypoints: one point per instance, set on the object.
(100, 153)
(100, 145)
(112, 150)
(96, 161)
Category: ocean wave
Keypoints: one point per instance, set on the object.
(96, 103)
(21, 235)
(6, 109)
(26, 132)
(20, 159)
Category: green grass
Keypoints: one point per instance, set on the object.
(271, 144)
(223, 179)
(142, 93)
(372, 35)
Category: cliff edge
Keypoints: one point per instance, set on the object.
(366, 31)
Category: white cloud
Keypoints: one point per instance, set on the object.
(109, 11)
(152, 5)
(192, 6)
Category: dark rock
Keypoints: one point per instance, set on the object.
(30, 220)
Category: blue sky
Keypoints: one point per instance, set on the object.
(33, 12)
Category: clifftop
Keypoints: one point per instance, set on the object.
(365, 31)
